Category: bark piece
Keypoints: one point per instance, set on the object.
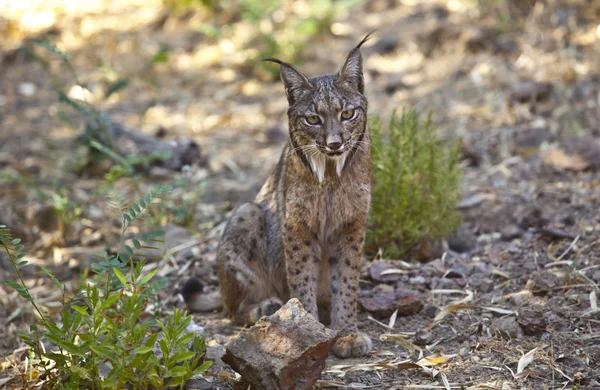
(383, 300)
(284, 351)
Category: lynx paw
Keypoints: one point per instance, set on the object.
(352, 345)
(265, 308)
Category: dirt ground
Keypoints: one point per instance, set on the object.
(520, 86)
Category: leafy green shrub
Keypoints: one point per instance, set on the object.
(416, 185)
(101, 341)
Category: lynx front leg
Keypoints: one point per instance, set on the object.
(345, 256)
(303, 260)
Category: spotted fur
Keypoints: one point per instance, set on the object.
(303, 235)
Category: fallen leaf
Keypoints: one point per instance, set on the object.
(431, 361)
(527, 359)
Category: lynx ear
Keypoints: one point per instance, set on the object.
(295, 83)
(352, 73)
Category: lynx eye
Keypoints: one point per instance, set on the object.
(347, 114)
(313, 120)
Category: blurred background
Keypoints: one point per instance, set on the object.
(511, 79)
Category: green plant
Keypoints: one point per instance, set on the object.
(416, 185)
(100, 341)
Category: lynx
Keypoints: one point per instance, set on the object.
(303, 234)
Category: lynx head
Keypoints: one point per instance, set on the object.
(327, 114)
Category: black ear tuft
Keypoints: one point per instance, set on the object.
(275, 60)
(351, 72)
(366, 38)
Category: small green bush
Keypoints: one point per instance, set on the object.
(100, 341)
(416, 185)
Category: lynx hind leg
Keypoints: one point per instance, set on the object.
(246, 287)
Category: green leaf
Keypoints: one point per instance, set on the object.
(120, 276)
(177, 371)
(160, 57)
(205, 366)
(181, 356)
(66, 345)
(142, 350)
(16, 241)
(147, 277)
(22, 263)
(51, 275)
(109, 301)
(116, 87)
(48, 46)
(136, 207)
(136, 244)
(22, 290)
(129, 251)
(81, 310)
(19, 248)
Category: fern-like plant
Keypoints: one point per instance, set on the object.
(100, 341)
(416, 185)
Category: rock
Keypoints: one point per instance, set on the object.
(383, 300)
(532, 322)
(458, 271)
(530, 216)
(506, 328)
(379, 266)
(596, 276)
(542, 283)
(423, 337)
(531, 91)
(430, 311)
(511, 232)
(284, 351)
(528, 142)
(462, 240)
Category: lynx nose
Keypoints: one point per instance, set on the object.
(335, 145)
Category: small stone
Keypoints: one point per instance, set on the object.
(417, 280)
(382, 302)
(423, 337)
(463, 351)
(596, 276)
(458, 271)
(27, 89)
(462, 240)
(284, 351)
(532, 322)
(379, 266)
(506, 328)
(511, 232)
(542, 283)
(430, 311)
(531, 91)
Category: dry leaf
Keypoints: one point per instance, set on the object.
(526, 360)
(560, 160)
(401, 341)
(432, 361)
(393, 320)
